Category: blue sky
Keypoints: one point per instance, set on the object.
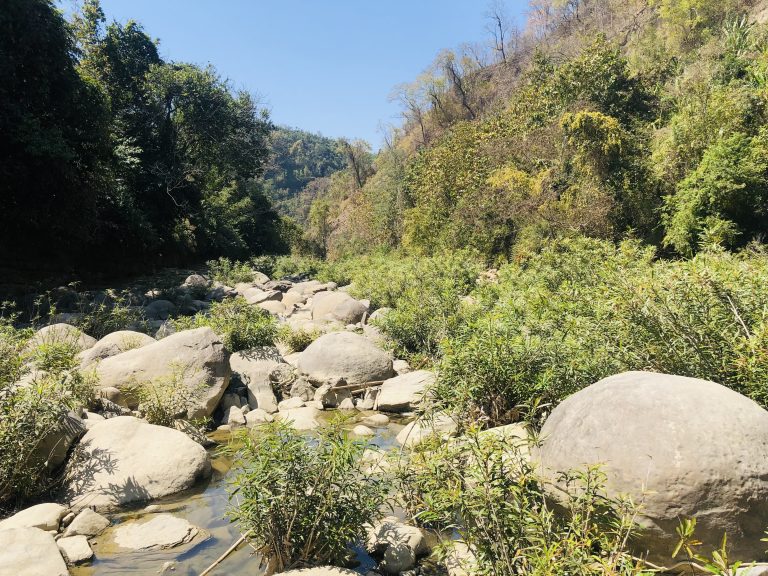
(321, 65)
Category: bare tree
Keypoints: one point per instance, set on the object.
(455, 76)
(499, 27)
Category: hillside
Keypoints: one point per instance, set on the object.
(605, 119)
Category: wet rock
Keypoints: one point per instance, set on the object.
(160, 532)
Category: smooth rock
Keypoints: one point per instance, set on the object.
(404, 393)
(197, 357)
(376, 420)
(401, 367)
(159, 310)
(75, 549)
(61, 333)
(113, 344)
(347, 404)
(421, 429)
(397, 544)
(290, 404)
(273, 307)
(337, 306)
(680, 447)
(87, 523)
(305, 418)
(253, 368)
(123, 460)
(30, 552)
(43, 516)
(361, 430)
(344, 355)
(257, 416)
(234, 417)
(159, 532)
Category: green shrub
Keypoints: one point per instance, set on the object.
(297, 340)
(484, 489)
(230, 272)
(115, 313)
(31, 411)
(300, 501)
(165, 400)
(581, 310)
(240, 325)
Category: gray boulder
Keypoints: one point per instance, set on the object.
(253, 368)
(197, 357)
(397, 544)
(75, 549)
(404, 393)
(87, 523)
(347, 356)
(124, 460)
(30, 552)
(159, 310)
(62, 333)
(337, 306)
(113, 344)
(682, 447)
(161, 531)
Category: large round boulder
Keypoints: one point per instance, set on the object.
(347, 356)
(30, 552)
(62, 333)
(114, 344)
(680, 447)
(195, 358)
(337, 306)
(123, 460)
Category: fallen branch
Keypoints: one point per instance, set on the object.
(223, 557)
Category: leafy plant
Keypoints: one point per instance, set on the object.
(303, 501)
(483, 487)
(297, 340)
(230, 272)
(240, 325)
(718, 564)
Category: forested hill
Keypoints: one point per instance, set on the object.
(112, 158)
(299, 167)
(610, 119)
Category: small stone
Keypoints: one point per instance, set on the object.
(347, 404)
(290, 404)
(67, 520)
(75, 549)
(257, 416)
(376, 420)
(87, 523)
(361, 430)
(152, 508)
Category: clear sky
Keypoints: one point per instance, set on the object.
(320, 65)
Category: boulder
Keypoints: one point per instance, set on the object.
(61, 333)
(403, 393)
(347, 356)
(421, 429)
(43, 516)
(75, 549)
(376, 420)
(253, 368)
(401, 367)
(337, 306)
(197, 357)
(124, 460)
(87, 523)
(257, 416)
(681, 447)
(161, 531)
(290, 404)
(30, 552)
(292, 298)
(257, 296)
(397, 544)
(233, 417)
(113, 344)
(307, 288)
(305, 418)
(379, 313)
(273, 307)
(361, 430)
(159, 310)
(53, 449)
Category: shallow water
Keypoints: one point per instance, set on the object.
(205, 507)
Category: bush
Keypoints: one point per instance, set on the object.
(581, 310)
(165, 400)
(230, 272)
(297, 340)
(300, 501)
(101, 318)
(240, 325)
(484, 489)
(30, 412)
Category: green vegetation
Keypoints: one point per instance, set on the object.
(302, 502)
(153, 162)
(38, 385)
(484, 489)
(240, 325)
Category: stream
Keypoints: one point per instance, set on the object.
(205, 507)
